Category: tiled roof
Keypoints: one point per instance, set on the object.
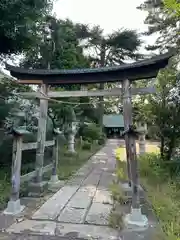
(113, 120)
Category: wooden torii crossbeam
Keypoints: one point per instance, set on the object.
(85, 93)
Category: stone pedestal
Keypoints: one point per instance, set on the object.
(36, 189)
(71, 143)
(136, 218)
(54, 182)
(142, 144)
(142, 129)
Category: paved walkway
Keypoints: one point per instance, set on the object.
(80, 209)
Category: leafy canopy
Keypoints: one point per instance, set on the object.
(19, 22)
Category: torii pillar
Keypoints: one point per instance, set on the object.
(135, 217)
(37, 186)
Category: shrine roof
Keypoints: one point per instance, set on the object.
(138, 70)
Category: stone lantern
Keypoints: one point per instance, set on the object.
(142, 130)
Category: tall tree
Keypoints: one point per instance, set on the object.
(162, 23)
(113, 49)
(161, 110)
(19, 23)
(57, 48)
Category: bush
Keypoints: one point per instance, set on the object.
(101, 141)
(86, 145)
(152, 166)
(91, 132)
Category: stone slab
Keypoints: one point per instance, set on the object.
(82, 197)
(6, 221)
(103, 196)
(31, 226)
(88, 232)
(92, 179)
(51, 209)
(75, 181)
(72, 215)
(98, 214)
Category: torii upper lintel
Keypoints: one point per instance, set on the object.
(133, 71)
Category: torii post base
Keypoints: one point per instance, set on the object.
(14, 208)
(136, 218)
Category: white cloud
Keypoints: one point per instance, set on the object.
(110, 15)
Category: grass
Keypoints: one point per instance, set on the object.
(163, 192)
(116, 220)
(116, 215)
(68, 164)
(5, 188)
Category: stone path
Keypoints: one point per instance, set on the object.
(80, 209)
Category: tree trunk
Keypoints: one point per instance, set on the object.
(170, 149)
(162, 147)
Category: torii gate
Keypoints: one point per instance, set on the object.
(125, 74)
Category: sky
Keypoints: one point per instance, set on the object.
(111, 15)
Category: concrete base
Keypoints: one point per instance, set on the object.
(136, 218)
(54, 182)
(37, 189)
(14, 208)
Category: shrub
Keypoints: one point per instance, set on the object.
(91, 132)
(162, 192)
(102, 139)
(86, 145)
(152, 166)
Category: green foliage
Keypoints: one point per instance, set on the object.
(162, 20)
(58, 48)
(116, 220)
(173, 7)
(117, 194)
(161, 111)
(109, 50)
(18, 32)
(7, 98)
(162, 192)
(102, 140)
(91, 132)
(154, 162)
(86, 145)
